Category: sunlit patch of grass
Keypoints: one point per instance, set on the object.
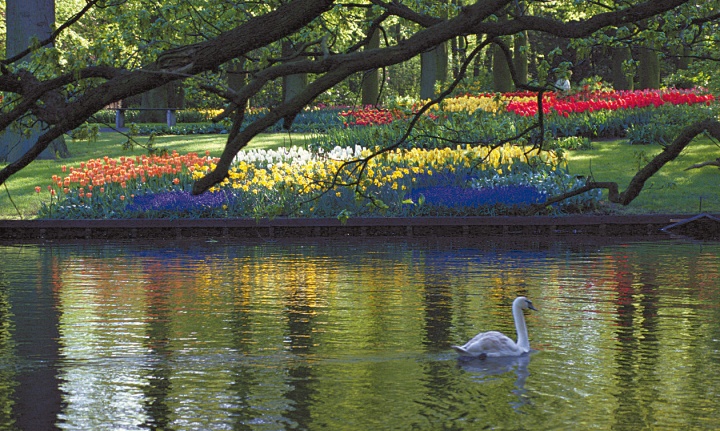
(671, 190)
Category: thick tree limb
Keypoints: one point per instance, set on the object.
(669, 153)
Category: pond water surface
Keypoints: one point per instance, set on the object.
(339, 335)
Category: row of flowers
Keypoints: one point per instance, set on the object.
(525, 104)
(298, 183)
(606, 100)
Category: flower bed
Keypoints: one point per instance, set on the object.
(428, 175)
(298, 183)
(605, 100)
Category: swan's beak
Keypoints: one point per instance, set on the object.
(532, 307)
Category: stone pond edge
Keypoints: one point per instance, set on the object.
(569, 225)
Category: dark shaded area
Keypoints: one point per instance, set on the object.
(560, 226)
(701, 226)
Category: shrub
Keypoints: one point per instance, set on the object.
(573, 143)
(665, 124)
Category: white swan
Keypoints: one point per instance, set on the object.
(494, 344)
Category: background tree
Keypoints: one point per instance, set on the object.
(27, 21)
(621, 78)
(371, 77)
(502, 77)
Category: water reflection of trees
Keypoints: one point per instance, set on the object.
(36, 338)
(637, 354)
(158, 331)
(7, 357)
(311, 336)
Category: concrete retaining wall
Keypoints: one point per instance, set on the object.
(626, 225)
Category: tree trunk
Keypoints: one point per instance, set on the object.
(442, 59)
(685, 59)
(502, 80)
(153, 99)
(433, 67)
(649, 72)
(371, 78)
(428, 74)
(458, 47)
(520, 56)
(478, 66)
(27, 20)
(620, 78)
(236, 76)
(292, 84)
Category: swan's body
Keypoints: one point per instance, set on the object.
(494, 344)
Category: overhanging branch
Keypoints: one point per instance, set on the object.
(669, 153)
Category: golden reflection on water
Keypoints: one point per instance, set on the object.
(356, 336)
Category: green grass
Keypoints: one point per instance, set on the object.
(19, 200)
(672, 190)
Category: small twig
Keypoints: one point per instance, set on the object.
(715, 162)
(12, 201)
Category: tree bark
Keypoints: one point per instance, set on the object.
(649, 71)
(520, 56)
(371, 77)
(292, 84)
(27, 20)
(428, 74)
(620, 80)
(502, 79)
(237, 77)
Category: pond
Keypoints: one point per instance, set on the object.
(342, 335)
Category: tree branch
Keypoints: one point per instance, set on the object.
(715, 162)
(669, 153)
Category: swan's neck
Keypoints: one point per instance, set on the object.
(521, 328)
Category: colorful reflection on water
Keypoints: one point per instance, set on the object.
(355, 336)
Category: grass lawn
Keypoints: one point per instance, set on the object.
(672, 190)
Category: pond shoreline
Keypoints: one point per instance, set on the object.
(562, 226)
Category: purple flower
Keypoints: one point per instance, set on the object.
(455, 197)
(176, 202)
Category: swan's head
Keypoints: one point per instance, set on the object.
(524, 303)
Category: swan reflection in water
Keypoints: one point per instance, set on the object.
(485, 369)
(493, 344)
(493, 353)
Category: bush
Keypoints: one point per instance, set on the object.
(573, 143)
(666, 123)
